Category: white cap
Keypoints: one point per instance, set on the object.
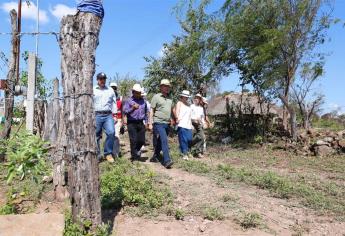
(198, 95)
(204, 100)
(113, 84)
(185, 93)
(137, 88)
(165, 82)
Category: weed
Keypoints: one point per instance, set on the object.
(250, 220)
(7, 209)
(125, 184)
(194, 166)
(73, 229)
(179, 214)
(211, 213)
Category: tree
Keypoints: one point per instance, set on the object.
(308, 104)
(271, 40)
(187, 60)
(125, 84)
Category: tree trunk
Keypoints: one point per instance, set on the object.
(52, 118)
(9, 96)
(78, 41)
(292, 113)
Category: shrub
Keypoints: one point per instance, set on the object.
(250, 220)
(211, 213)
(26, 156)
(131, 185)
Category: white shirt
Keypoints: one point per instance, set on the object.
(104, 99)
(197, 113)
(184, 116)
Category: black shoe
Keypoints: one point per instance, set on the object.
(168, 164)
(154, 160)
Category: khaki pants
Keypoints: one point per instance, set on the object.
(116, 150)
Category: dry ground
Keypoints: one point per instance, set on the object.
(212, 205)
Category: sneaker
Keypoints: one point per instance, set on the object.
(168, 164)
(110, 158)
(185, 157)
(190, 155)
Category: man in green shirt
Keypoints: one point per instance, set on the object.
(160, 117)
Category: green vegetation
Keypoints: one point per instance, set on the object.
(125, 184)
(7, 209)
(329, 124)
(72, 229)
(250, 220)
(25, 157)
(212, 213)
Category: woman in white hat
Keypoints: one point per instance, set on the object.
(183, 113)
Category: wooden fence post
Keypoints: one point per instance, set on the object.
(9, 93)
(78, 41)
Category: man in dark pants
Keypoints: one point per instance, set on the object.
(136, 111)
(160, 117)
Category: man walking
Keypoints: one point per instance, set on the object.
(105, 106)
(118, 121)
(135, 109)
(160, 117)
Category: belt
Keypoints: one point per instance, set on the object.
(103, 112)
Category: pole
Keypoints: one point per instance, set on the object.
(30, 97)
(37, 26)
(18, 41)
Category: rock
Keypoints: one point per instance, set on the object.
(202, 228)
(328, 139)
(341, 134)
(227, 140)
(341, 143)
(322, 143)
(323, 150)
(48, 179)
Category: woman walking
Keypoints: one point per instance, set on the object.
(183, 113)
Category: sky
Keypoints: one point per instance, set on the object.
(133, 29)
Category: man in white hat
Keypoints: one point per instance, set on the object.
(104, 102)
(183, 114)
(135, 109)
(198, 117)
(160, 119)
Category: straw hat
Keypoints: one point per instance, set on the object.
(198, 95)
(185, 93)
(137, 88)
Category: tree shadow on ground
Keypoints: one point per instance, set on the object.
(109, 216)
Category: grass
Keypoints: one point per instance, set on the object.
(250, 220)
(133, 186)
(313, 193)
(213, 213)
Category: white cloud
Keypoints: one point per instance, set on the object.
(61, 10)
(28, 11)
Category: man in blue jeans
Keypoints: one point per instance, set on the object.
(160, 117)
(105, 106)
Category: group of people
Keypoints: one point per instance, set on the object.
(113, 114)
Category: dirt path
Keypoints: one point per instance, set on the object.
(194, 194)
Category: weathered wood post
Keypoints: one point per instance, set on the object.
(78, 41)
(9, 95)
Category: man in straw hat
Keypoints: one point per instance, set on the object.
(160, 119)
(135, 109)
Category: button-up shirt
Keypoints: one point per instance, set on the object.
(104, 99)
(135, 114)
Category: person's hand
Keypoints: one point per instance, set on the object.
(149, 127)
(135, 106)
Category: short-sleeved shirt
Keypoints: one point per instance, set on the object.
(162, 108)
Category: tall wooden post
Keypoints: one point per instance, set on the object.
(78, 41)
(9, 95)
